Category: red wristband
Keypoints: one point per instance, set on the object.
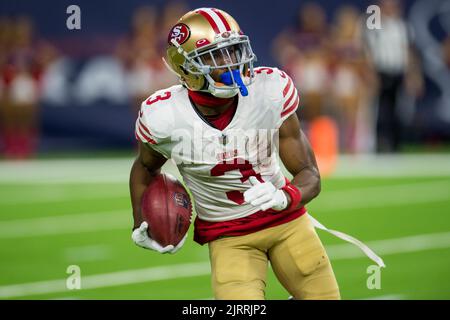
(294, 193)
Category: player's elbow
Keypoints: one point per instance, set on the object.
(317, 186)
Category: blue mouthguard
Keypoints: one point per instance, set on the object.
(227, 79)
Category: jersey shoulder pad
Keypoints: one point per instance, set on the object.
(156, 116)
(281, 91)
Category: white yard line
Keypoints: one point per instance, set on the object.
(337, 252)
(383, 195)
(61, 194)
(108, 279)
(117, 170)
(392, 246)
(65, 224)
(83, 171)
(332, 201)
(380, 196)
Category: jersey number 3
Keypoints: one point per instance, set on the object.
(166, 95)
(246, 169)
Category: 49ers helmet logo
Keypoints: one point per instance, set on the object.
(180, 32)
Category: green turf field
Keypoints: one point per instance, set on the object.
(62, 213)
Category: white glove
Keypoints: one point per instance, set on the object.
(141, 238)
(265, 195)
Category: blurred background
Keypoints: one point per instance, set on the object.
(375, 104)
(67, 90)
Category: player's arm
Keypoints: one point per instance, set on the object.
(298, 158)
(295, 152)
(147, 165)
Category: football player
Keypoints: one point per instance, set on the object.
(223, 126)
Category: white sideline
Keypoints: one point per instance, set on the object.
(116, 170)
(108, 279)
(383, 195)
(336, 252)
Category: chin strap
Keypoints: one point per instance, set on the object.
(229, 78)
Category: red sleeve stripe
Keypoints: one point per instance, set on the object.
(293, 95)
(142, 134)
(291, 108)
(139, 136)
(145, 137)
(287, 87)
(144, 127)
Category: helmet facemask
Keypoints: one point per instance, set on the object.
(233, 54)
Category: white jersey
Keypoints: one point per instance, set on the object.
(215, 164)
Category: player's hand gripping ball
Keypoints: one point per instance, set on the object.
(167, 210)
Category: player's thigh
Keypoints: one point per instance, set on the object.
(301, 264)
(238, 270)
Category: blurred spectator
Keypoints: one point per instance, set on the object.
(20, 91)
(350, 78)
(172, 12)
(142, 50)
(303, 53)
(389, 50)
(329, 67)
(23, 61)
(446, 51)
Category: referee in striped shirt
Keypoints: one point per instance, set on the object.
(388, 51)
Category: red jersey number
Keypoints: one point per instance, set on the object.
(166, 95)
(246, 169)
(260, 70)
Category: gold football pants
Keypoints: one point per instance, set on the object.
(295, 252)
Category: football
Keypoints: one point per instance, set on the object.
(167, 208)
